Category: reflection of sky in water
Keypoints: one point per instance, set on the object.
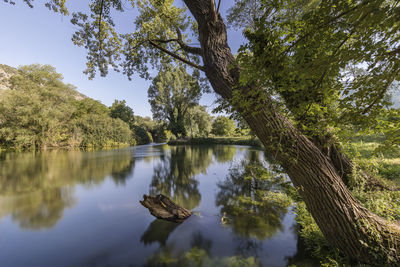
(82, 208)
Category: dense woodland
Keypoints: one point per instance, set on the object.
(38, 110)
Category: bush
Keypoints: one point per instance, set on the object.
(41, 111)
(142, 136)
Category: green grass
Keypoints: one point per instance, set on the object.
(384, 163)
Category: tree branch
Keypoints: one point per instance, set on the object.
(184, 46)
(219, 3)
(164, 41)
(334, 19)
(393, 52)
(184, 60)
(100, 19)
(380, 95)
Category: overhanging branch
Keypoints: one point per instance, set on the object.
(185, 47)
(99, 26)
(184, 60)
(394, 52)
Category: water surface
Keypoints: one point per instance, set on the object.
(75, 208)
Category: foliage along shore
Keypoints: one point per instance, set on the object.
(244, 141)
(39, 111)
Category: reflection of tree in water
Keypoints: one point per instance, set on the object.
(40, 209)
(174, 175)
(247, 247)
(252, 200)
(224, 153)
(198, 254)
(121, 174)
(36, 187)
(159, 231)
(303, 256)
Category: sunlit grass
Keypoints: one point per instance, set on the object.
(382, 162)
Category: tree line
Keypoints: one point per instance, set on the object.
(39, 111)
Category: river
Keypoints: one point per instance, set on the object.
(81, 208)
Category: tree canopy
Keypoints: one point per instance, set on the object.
(172, 93)
(120, 110)
(198, 121)
(331, 63)
(223, 126)
(39, 110)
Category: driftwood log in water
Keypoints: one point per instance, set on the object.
(164, 208)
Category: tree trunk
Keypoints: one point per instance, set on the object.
(342, 164)
(180, 120)
(346, 168)
(357, 232)
(164, 208)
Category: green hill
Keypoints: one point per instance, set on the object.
(38, 110)
(6, 72)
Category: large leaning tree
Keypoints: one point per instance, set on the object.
(271, 102)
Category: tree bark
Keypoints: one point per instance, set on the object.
(343, 165)
(357, 232)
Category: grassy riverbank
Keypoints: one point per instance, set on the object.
(244, 141)
(384, 164)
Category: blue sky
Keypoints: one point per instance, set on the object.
(39, 36)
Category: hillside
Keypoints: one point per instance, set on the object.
(6, 72)
(42, 111)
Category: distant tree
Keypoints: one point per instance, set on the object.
(223, 126)
(198, 121)
(146, 122)
(171, 94)
(142, 130)
(120, 110)
(160, 132)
